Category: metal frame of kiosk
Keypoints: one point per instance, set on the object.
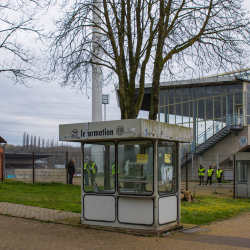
(130, 172)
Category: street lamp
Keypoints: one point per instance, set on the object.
(105, 100)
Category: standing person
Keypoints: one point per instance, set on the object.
(113, 171)
(210, 173)
(201, 171)
(86, 173)
(71, 170)
(91, 168)
(219, 174)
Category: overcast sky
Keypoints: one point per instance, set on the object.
(38, 109)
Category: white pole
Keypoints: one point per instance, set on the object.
(217, 162)
(104, 112)
(97, 153)
(96, 69)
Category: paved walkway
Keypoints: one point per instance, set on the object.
(19, 233)
(38, 213)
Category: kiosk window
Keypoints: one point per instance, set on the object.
(167, 167)
(241, 171)
(99, 167)
(135, 160)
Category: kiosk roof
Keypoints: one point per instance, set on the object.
(124, 129)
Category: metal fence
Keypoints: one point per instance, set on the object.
(35, 168)
(53, 168)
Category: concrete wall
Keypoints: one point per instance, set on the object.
(41, 175)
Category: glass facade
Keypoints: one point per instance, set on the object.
(247, 103)
(199, 106)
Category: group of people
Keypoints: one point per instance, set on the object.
(210, 173)
(90, 170)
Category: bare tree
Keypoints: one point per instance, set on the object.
(24, 139)
(17, 21)
(27, 141)
(39, 142)
(31, 142)
(35, 142)
(148, 39)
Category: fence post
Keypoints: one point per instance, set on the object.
(192, 167)
(2, 163)
(33, 167)
(234, 178)
(67, 160)
(186, 171)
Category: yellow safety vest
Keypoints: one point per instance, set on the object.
(113, 169)
(210, 172)
(91, 167)
(201, 171)
(218, 173)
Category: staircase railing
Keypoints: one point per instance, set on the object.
(230, 121)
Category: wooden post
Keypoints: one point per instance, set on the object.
(186, 171)
(67, 160)
(33, 167)
(234, 178)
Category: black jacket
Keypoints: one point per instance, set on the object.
(71, 168)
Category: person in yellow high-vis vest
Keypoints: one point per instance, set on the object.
(201, 172)
(210, 173)
(91, 168)
(113, 171)
(86, 173)
(219, 174)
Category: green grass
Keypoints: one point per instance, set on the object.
(52, 195)
(68, 198)
(208, 209)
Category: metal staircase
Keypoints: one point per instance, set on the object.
(221, 128)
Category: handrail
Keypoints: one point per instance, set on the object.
(229, 121)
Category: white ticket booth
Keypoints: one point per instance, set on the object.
(130, 172)
(242, 174)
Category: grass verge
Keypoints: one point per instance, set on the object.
(208, 209)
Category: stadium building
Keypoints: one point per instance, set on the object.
(218, 109)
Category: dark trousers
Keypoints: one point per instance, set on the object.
(86, 178)
(209, 178)
(201, 179)
(219, 180)
(70, 178)
(92, 177)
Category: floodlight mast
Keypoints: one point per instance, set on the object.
(96, 151)
(96, 69)
(105, 100)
